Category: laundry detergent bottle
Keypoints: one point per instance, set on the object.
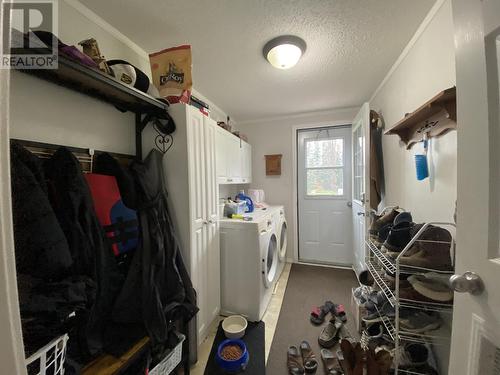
(242, 197)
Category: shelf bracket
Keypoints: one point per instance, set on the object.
(140, 124)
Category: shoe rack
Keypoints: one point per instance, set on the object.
(378, 264)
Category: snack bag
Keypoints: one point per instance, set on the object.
(171, 71)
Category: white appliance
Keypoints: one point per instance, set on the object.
(191, 182)
(280, 228)
(249, 264)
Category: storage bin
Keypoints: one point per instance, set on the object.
(170, 362)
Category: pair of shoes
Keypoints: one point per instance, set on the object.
(318, 314)
(429, 287)
(385, 310)
(332, 366)
(381, 221)
(303, 362)
(398, 238)
(330, 334)
(431, 250)
(420, 321)
(359, 361)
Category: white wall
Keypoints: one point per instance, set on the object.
(275, 136)
(425, 68)
(42, 111)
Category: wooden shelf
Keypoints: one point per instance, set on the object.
(94, 83)
(436, 117)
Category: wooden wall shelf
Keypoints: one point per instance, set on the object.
(436, 117)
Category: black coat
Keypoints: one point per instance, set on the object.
(92, 257)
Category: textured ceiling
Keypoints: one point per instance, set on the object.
(351, 45)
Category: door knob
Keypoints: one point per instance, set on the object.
(469, 282)
(361, 214)
(349, 204)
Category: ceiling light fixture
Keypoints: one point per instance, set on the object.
(283, 52)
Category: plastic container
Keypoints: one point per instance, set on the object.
(237, 365)
(234, 326)
(245, 198)
(234, 208)
(170, 362)
(50, 359)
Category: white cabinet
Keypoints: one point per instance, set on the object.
(191, 182)
(233, 157)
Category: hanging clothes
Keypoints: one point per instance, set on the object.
(168, 293)
(376, 161)
(74, 208)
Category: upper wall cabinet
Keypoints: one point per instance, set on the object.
(233, 159)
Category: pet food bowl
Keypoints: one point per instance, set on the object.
(234, 326)
(233, 366)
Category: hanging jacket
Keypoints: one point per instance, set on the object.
(73, 205)
(167, 292)
(41, 247)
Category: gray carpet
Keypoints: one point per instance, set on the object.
(308, 286)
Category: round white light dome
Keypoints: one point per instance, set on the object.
(284, 56)
(283, 52)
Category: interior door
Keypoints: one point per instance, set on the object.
(213, 248)
(198, 192)
(360, 184)
(324, 193)
(475, 346)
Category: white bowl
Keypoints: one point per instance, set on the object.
(234, 326)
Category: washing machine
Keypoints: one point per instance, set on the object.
(278, 214)
(249, 264)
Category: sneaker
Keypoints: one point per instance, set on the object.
(382, 235)
(374, 331)
(420, 322)
(403, 217)
(398, 237)
(433, 286)
(386, 310)
(414, 354)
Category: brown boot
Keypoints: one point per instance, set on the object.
(384, 361)
(360, 360)
(379, 221)
(348, 354)
(372, 366)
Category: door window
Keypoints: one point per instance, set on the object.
(358, 156)
(324, 167)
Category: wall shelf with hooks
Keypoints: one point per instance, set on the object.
(436, 117)
(94, 83)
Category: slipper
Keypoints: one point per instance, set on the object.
(318, 314)
(340, 313)
(308, 357)
(294, 361)
(329, 336)
(332, 366)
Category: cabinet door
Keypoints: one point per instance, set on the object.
(246, 162)
(234, 159)
(197, 195)
(212, 245)
(221, 154)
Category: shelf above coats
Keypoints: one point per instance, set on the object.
(435, 117)
(94, 83)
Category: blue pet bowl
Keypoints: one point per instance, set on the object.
(237, 365)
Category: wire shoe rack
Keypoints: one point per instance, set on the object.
(380, 265)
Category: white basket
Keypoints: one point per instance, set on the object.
(49, 360)
(170, 362)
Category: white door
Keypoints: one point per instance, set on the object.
(212, 223)
(324, 194)
(360, 184)
(475, 347)
(198, 192)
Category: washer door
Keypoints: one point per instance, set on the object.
(282, 252)
(270, 261)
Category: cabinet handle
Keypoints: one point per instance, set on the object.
(229, 180)
(205, 222)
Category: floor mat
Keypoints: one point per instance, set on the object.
(308, 286)
(255, 341)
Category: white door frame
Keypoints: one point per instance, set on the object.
(12, 353)
(295, 210)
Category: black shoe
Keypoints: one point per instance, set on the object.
(399, 236)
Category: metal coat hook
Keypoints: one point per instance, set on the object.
(163, 142)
